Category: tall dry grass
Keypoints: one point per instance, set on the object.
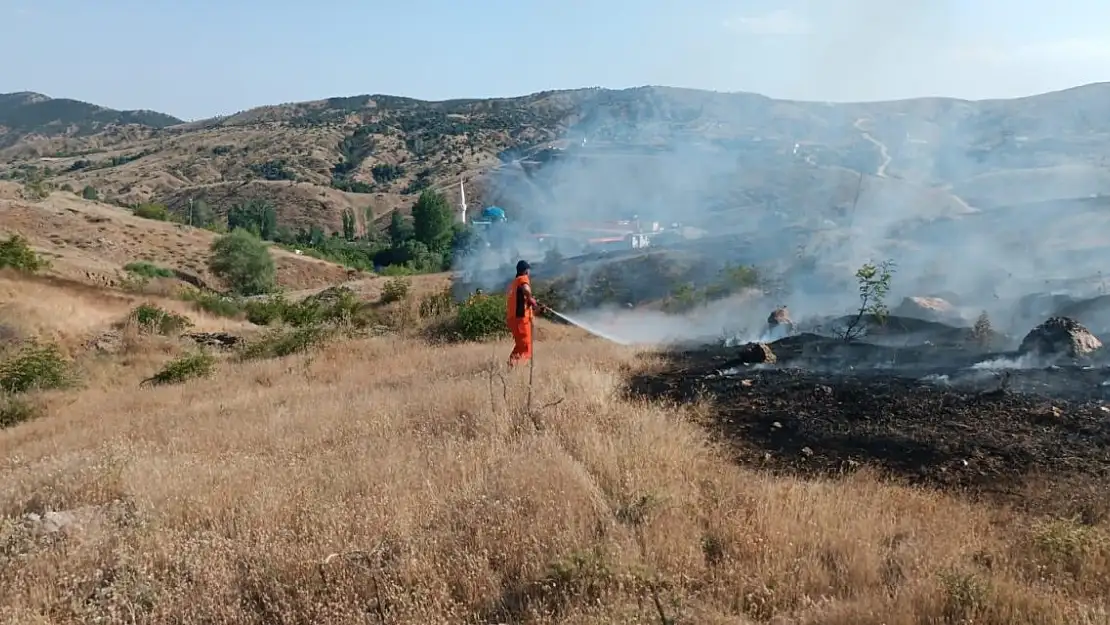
(388, 481)
(69, 313)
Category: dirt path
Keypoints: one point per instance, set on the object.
(881, 171)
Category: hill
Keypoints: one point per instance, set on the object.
(674, 153)
(91, 243)
(27, 116)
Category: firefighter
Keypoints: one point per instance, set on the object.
(520, 312)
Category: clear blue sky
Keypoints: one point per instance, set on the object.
(202, 57)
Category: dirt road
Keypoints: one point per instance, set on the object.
(881, 171)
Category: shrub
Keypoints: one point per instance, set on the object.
(683, 298)
(150, 318)
(395, 290)
(15, 410)
(132, 283)
(156, 212)
(481, 317)
(243, 261)
(281, 342)
(16, 253)
(397, 271)
(307, 313)
(35, 367)
(552, 294)
(213, 303)
(266, 311)
(147, 270)
(437, 304)
(199, 364)
(328, 306)
(37, 189)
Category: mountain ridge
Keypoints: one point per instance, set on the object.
(375, 152)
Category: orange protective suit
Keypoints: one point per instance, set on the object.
(519, 314)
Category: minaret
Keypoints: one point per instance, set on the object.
(462, 203)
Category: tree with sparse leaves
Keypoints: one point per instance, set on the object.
(200, 214)
(874, 284)
(982, 330)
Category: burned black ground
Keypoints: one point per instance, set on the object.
(920, 414)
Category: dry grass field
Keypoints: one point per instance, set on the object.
(389, 480)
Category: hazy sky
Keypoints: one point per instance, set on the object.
(202, 57)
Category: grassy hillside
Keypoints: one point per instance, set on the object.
(91, 242)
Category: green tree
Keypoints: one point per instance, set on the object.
(243, 261)
(89, 193)
(200, 214)
(432, 220)
(463, 239)
(256, 216)
(399, 229)
(368, 219)
(348, 224)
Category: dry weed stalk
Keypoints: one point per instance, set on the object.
(493, 373)
(370, 561)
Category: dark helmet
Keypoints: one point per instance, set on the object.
(522, 266)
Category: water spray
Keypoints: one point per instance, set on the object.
(594, 331)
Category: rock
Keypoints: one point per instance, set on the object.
(779, 324)
(755, 353)
(949, 296)
(52, 522)
(780, 316)
(331, 295)
(927, 309)
(107, 343)
(1060, 337)
(221, 340)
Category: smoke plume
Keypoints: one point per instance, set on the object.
(983, 201)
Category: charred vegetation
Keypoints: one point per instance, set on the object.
(916, 400)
